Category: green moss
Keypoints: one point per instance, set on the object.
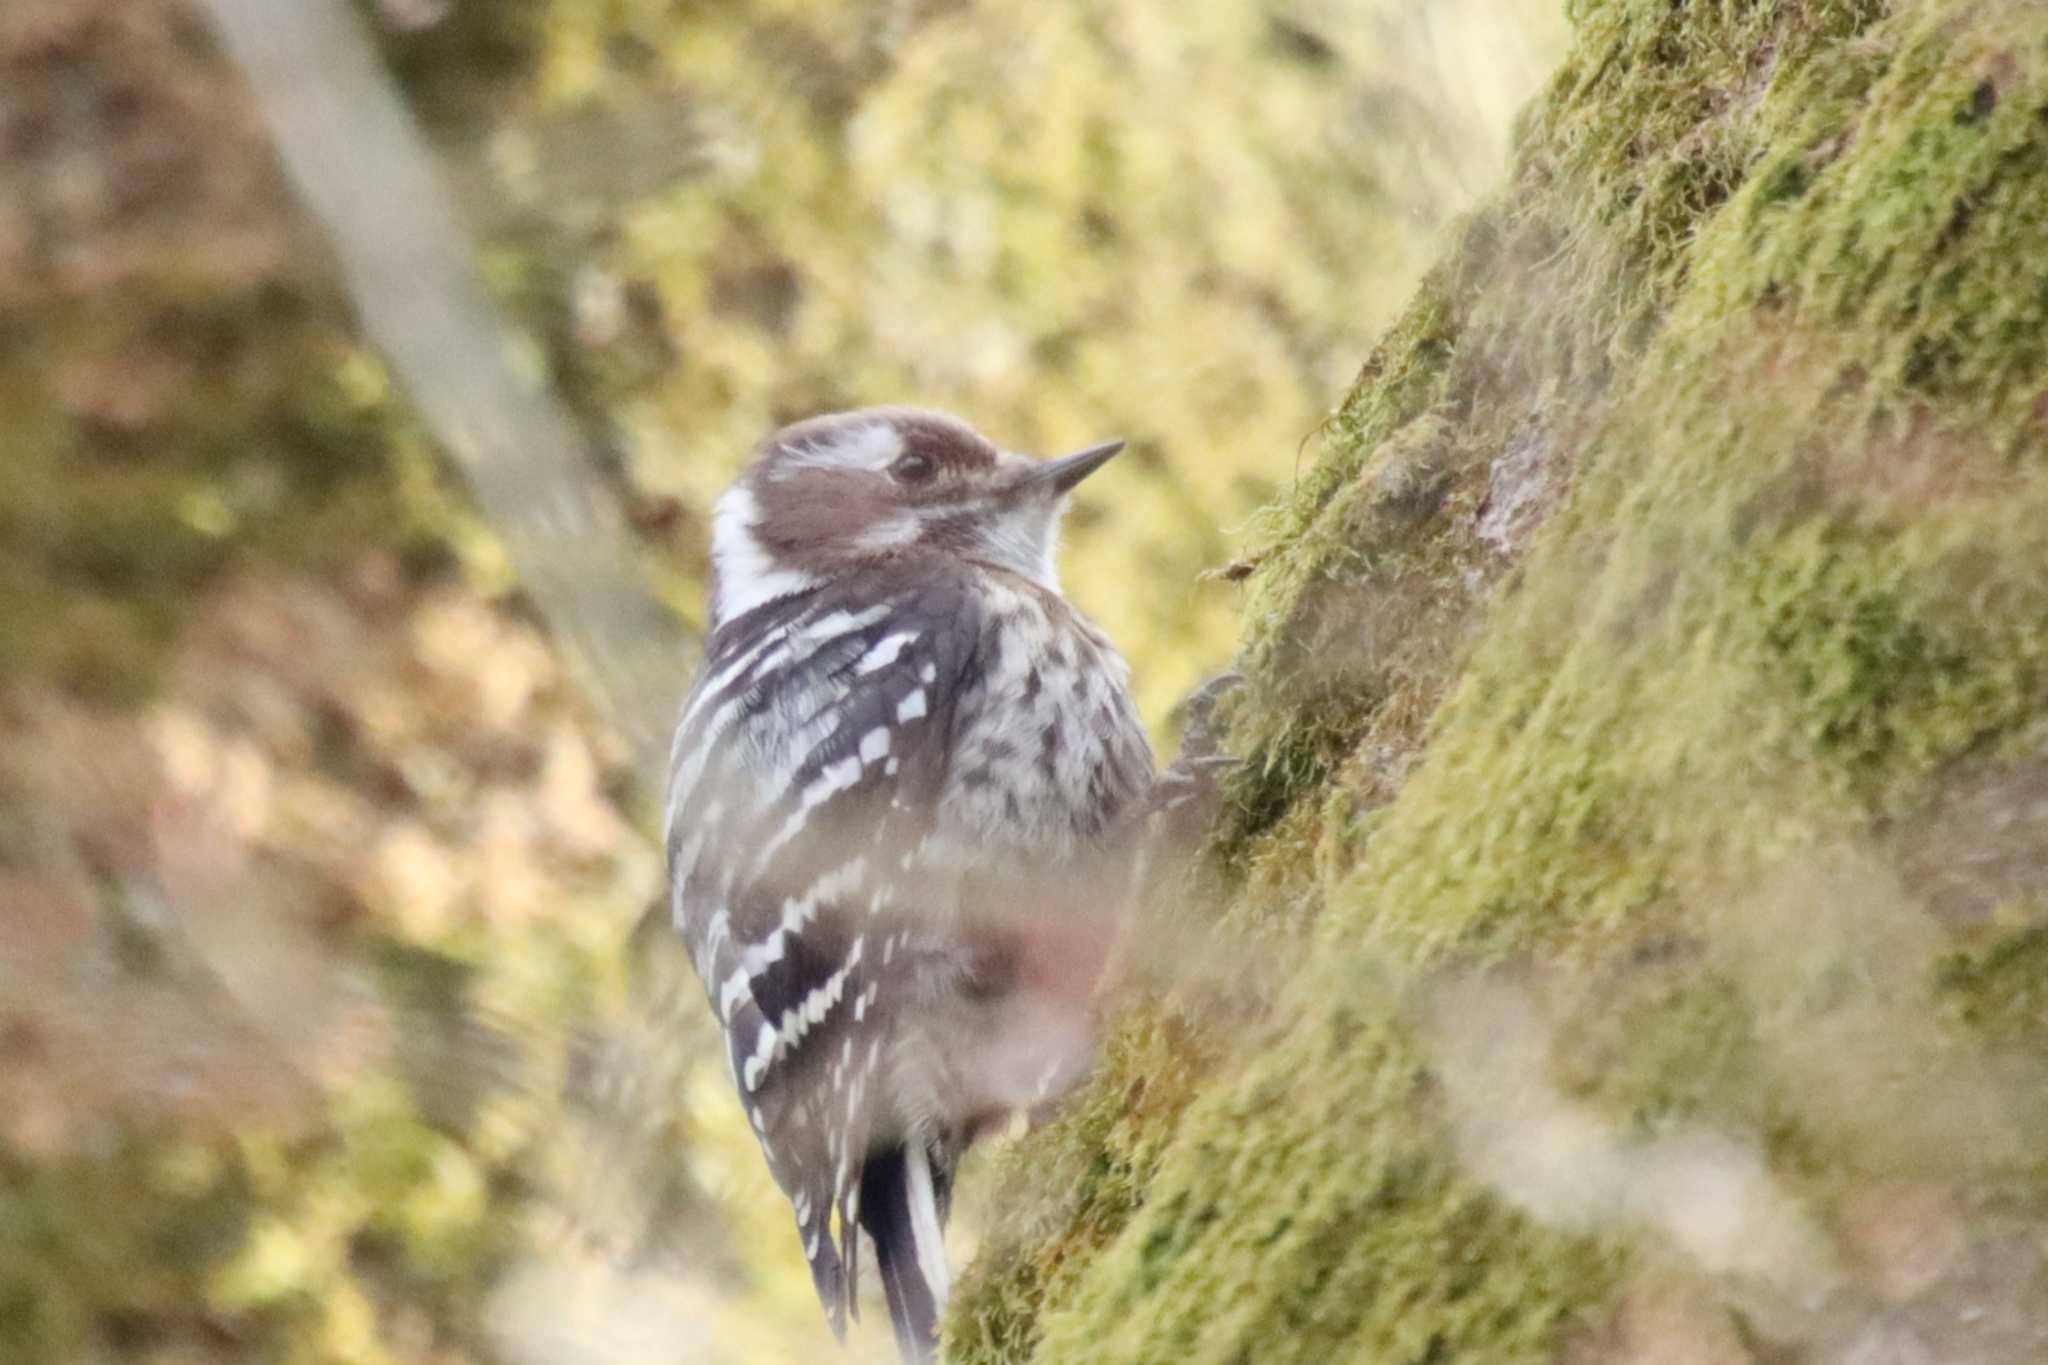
(1314, 1211)
(1297, 760)
(1880, 666)
(2000, 989)
(1657, 1048)
(1993, 991)
(1084, 1175)
(1350, 600)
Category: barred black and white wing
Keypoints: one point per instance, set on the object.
(807, 768)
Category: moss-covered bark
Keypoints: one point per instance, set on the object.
(1665, 883)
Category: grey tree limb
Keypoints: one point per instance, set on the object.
(359, 162)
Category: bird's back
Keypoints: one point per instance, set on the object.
(894, 801)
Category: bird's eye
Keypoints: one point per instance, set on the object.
(913, 468)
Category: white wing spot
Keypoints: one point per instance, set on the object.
(911, 707)
(834, 884)
(836, 778)
(874, 745)
(884, 652)
(834, 624)
(757, 1065)
(732, 993)
(759, 957)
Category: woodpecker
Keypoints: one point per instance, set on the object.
(900, 794)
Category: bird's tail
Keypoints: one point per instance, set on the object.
(905, 1193)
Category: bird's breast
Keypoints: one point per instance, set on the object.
(1048, 752)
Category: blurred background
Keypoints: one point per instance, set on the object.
(325, 1033)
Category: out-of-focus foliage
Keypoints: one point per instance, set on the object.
(1647, 764)
(293, 958)
(317, 1041)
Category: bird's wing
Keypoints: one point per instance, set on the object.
(806, 770)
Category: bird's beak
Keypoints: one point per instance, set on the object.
(1062, 474)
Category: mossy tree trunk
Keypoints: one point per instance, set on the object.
(1647, 781)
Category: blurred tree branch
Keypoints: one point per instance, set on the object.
(358, 161)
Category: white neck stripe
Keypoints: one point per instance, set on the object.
(748, 577)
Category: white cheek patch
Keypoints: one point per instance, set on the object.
(891, 533)
(1023, 540)
(748, 575)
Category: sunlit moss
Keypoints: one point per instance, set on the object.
(2000, 988)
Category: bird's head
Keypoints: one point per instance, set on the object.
(833, 494)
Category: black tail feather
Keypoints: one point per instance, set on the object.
(891, 1191)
